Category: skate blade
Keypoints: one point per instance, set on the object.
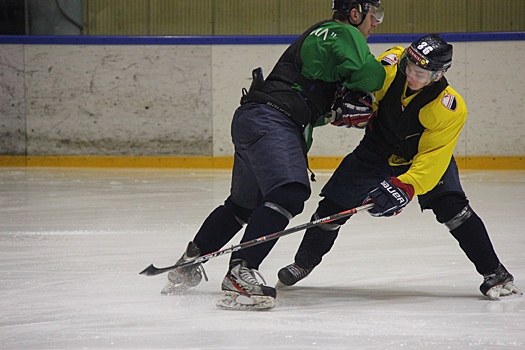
(509, 296)
(281, 285)
(509, 291)
(236, 301)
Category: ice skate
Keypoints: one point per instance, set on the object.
(242, 291)
(499, 284)
(290, 275)
(186, 277)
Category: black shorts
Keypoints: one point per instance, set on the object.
(268, 153)
(449, 183)
(363, 170)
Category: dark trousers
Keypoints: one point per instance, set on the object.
(363, 170)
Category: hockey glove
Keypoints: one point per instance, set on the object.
(389, 198)
(353, 109)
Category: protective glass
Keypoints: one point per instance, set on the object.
(416, 73)
(377, 12)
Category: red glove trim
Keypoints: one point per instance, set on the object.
(409, 189)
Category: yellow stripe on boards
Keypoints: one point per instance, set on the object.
(328, 163)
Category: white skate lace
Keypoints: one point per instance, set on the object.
(489, 277)
(194, 269)
(249, 276)
(198, 268)
(297, 271)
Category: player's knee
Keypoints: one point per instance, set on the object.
(241, 213)
(288, 199)
(326, 208)
(452, 210)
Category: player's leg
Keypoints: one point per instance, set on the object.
(316, 242)
(218, 228)
(275, 151)
(347, 188)
(280, 205)
(222, 223)
(452, 208)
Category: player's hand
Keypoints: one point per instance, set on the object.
(353, 109)
(389, 198)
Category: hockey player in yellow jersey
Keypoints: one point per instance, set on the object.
(407, 151)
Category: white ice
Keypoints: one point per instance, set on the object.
(73, 241)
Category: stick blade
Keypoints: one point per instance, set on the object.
(150, 271)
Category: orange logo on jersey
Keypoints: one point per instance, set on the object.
(389, 60)
(449, 101)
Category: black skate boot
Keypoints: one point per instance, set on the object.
(242, 291)
(499, 284)
(290, 275)
(186, 277)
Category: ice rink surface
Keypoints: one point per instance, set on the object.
(73, 241)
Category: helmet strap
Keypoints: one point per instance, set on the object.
(360, 10)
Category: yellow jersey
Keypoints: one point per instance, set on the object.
(443, 118)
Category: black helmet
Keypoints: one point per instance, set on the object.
(430, 52)
(346, 5)
(363, 6)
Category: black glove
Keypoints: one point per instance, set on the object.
(353, 109)
(389, 198)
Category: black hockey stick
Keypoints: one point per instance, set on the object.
(152, 270)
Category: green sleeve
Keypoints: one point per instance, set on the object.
(369, 78)
(361, 68)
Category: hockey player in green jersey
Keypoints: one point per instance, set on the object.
(270, 180)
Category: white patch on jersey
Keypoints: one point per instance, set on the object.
(449, 101)
(389, 60)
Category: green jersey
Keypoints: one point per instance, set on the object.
(305, 80)
(338, 52)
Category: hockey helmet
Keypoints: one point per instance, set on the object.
(364, 6)
(430, 53)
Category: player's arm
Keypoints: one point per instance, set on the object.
(363, 71)
(436, 145)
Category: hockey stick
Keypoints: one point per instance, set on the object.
(152, 270)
